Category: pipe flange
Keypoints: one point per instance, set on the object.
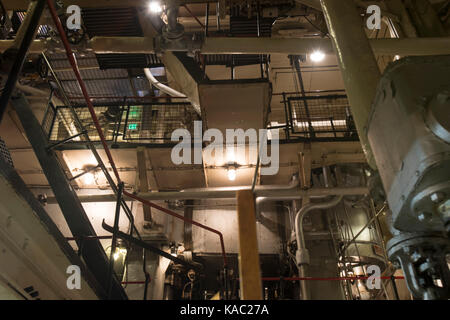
(422, 258)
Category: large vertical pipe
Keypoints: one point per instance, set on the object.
(357, 63)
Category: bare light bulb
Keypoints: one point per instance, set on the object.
(155, 7)
(88, 178)
(317, 56)
(231, 172)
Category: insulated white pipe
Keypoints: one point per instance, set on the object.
(273, 194)
(171, 92)
(302, 254)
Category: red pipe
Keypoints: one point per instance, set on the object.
(133, 282)
(128, 98)
(74, 65)
(300, 279)
(169, 212)
(324, 279)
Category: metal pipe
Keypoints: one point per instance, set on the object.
(302, 254)
(153, 81)
(207, 20)
(172, 16)
(114, 239)
(71, 57)
(357, 62)
(371, 220)
(223, 45)
(173, 214)
(266, 194)
(194, 16)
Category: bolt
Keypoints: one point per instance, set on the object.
(437, 197)
(424, 216)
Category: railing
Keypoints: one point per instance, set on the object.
(319, 118)
(117, 188)
(151, 122)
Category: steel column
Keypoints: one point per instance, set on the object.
(357, 62)
(249, 268)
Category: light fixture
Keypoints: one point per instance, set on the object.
(88, 178)
(116, 255)
(317, 56)
(231, 172)
(155, 6)
(120, 252)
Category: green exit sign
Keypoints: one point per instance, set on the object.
(132, 126)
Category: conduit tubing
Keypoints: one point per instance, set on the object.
(73, 63)
(302, 254)
(171, 92)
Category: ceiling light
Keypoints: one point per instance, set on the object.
(155, 7)
(231, 172)
(88, 178)
(119, 253)
(317, 56)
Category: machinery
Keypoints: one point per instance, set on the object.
(369, 148)
(409, 131)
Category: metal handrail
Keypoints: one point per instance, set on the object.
(71, 58)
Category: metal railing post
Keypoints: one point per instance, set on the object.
(114, 237)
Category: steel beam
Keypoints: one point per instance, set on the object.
(77, 220)
(402, 47)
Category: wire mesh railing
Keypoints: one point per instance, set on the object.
(151, 122)
(319, 117)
